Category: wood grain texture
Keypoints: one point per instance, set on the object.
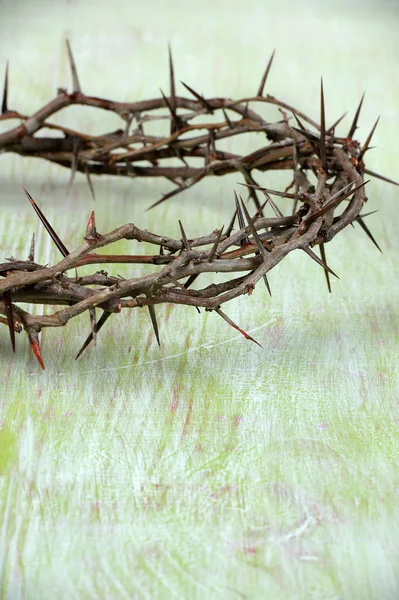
(208, 468)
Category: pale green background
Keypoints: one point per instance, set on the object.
(209, 468)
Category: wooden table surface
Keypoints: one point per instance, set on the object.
(209, 467)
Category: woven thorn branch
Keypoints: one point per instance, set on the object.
(250, 252)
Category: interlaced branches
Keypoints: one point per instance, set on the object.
(248, 252)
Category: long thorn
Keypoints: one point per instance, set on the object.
(4, 105)
(310, 253)
(323, 157)
(204, 103)
(324, 259)
(232, 324)
(356, 118)
(174, 125)
(231, 224)
(331, 129)
(241, 222)
(368, 140)
(10, 317)
(258, 242)
(75, 79)
(64, 251)
(153, 317)
(367, 231)
(35, 345)
(93, 324)
(265, 75)
(377, 176)
(184, 237)
(215, 245)
(104, 317)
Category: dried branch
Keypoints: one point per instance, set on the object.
(248, 253)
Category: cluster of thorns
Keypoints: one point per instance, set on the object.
(247, 247)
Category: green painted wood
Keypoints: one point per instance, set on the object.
(209, 468)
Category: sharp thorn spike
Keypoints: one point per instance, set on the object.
(215, 245)
(257, 241)
(184, 237)
(190, 280)
(35, 345)
(10, 318)
(200, 98)
(367, 142)
(231, 224)
(367, 231)
(241, 222)
(377, 176)
(75, 79)
(91, 231)
(232, 324)
(103, 319)
(265, 75)
(323, 156)
(324, 260)
(93, 324)
(89, 181)
(153, 317)
(331, 129)
(226, 116)
(4, 105)
(355, 119)
(64, 251)
(310, 253)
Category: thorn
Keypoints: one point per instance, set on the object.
(161, 251)
(75, 79)
(355, 119)
(10, 318)
(153, 317)
(377, 176)
(190, 281)
(31, 256)
(215, 245)
(367, 142)
(323, 157)
(367, 230)
(35, 345)
(184, 237)
(241, 222)
(91, 231)
(4, 106)
(166, 197)
(336, 200)
(257, 240)
(324, 259)
(104, 317)
(178, 123)
(229, 123)
(47, 225)
(275, 192)
(311, 137)
(310, 253)
(331, 129)
(172, 79)
(231, 224)
(93, 324)
(232, 324)
(204, 103)
(90, 183)
(74, 164)
(265, 75)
